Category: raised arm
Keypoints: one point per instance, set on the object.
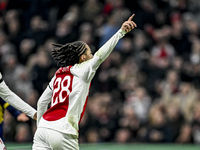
(129, 25)
(107, 48)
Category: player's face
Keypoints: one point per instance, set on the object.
(88, 53)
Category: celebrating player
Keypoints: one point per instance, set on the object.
(68, 91)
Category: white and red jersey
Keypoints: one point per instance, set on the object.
(67, 103)
(68, 92)
(2, 145)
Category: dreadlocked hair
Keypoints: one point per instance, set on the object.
(69, 53)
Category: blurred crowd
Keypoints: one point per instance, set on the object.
(147, 90)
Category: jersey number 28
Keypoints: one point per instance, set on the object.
(61, 91)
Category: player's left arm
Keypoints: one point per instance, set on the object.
(88, 68)
(108, 47)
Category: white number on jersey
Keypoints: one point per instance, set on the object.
(62, 86)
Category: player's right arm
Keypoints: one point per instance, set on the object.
(44, 100)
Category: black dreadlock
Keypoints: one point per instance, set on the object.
(69, 53)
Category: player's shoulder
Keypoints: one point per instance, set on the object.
(83, 64)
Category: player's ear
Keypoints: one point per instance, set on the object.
(82, 58)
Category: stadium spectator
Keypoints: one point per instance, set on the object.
(131, 64)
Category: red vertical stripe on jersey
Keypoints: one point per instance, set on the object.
(84, 107)
(83, 110)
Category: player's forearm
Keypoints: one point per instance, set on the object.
(7, 95)
(43, 102)
(107, 48)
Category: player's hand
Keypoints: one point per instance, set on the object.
(35, 116)
(129, 25)
(22, 117)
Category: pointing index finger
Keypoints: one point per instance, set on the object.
(131, 17)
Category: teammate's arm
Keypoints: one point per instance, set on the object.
(7, 95)
(19, 116)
